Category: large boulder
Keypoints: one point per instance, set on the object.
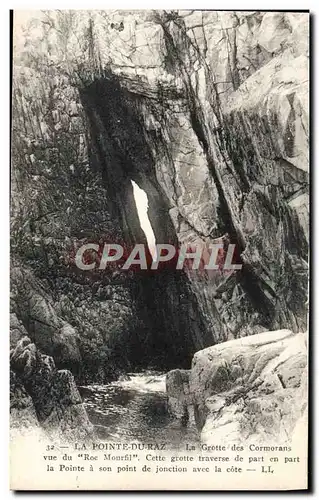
(251, 388)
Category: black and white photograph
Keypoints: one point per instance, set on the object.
(159, 255)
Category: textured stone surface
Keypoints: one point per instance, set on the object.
(17, 330)
(22, 411)
(207, 112)
(42, 395)
(178, 392)
(39, 319)
(252, 389)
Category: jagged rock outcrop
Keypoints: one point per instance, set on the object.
(22, 411)
(179, 396)
(207, 112)
(17, 330)
(252, 389)
(43, 396)
(39, 319)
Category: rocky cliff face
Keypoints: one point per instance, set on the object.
(205, 111)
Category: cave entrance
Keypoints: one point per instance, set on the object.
(141, 202)
(167, 326)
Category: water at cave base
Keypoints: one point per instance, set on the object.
(135, 410)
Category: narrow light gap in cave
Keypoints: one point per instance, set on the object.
(141, 202)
